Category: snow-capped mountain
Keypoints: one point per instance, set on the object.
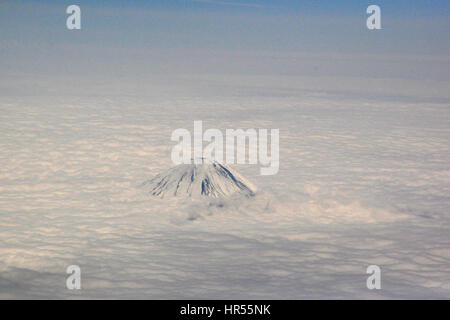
(195, 180)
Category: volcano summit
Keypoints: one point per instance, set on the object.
(195, 180)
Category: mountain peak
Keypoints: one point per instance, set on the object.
(210, 179)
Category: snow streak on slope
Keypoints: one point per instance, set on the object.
(208, 179)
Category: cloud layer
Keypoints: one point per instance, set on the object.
(362, 181)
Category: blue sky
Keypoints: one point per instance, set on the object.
(34, 34)
(322, 7)
(256, 24)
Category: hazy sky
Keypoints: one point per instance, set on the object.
(312, 26)
(237, 36)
